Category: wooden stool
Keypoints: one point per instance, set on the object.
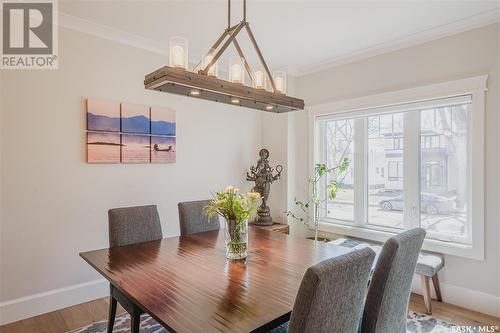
(428, 266)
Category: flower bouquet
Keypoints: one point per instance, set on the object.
(236, 208)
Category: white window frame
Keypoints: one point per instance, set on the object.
(352, 108)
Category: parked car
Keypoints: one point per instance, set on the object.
(431, 203)
(388, 193)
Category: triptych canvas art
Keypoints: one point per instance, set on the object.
(129, 133)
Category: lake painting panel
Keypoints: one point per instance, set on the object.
(103, 115)
(135, 148)
(135, 118)
(103, 147)
(163, 121)
(163, 149)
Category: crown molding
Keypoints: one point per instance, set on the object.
(106, 32)
(456, 27)
(120, 36)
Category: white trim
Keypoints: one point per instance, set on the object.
(36, 304)
(463, 297)
(469, 23)
(475, 86)
(411, 95)
(381, 234)
(106, 32)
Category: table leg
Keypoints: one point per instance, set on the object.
(112, 313)
(135, 322)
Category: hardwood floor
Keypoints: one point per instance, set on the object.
(74, 317)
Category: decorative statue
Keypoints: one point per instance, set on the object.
(262, 175)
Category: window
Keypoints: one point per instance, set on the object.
(443, 172)
(411, 165)
(339, 145)
(442, 155)
(395, 172)
(384, 150)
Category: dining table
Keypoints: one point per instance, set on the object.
(186, 284)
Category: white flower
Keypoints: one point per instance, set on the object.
(229, 188)
(254, 195)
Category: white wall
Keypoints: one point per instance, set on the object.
(54, 205)
(460, 56)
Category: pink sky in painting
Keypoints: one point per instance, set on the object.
(132, 110)
(162, 114)
(103, 108)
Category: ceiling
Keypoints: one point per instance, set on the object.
(299, 36)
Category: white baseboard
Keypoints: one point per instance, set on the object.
(34, 305)
(465, 298)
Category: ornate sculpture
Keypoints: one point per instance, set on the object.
(262, 175)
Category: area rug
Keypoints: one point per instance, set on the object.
(417, 323)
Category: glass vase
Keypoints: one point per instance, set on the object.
(236, 239)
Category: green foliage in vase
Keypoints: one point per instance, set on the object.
(316, 198)
(233, 206)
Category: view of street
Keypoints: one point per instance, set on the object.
(451, 223)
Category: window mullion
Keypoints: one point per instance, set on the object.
(322, 154)
(411, 170)
(360, 172)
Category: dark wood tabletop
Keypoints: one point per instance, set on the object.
(187, 285)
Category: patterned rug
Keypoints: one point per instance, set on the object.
(417, 323)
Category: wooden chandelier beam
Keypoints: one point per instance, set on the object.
(183, 82)
(261, 57)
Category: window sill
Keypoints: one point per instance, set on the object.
(433, 245)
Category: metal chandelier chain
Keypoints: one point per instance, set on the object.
(232, 32)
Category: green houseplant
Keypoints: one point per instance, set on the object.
(316, 199)
(236, 209)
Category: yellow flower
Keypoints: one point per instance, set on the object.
(229, 188)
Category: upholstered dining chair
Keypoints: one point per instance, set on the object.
(130, 225)
(331, 294)
(386, 305)
(193, 220)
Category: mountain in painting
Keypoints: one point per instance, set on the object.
(161, 127)
(102, 123)
(136, 124)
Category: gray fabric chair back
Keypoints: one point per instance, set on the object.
(386, 304)
(131, 225)
(330, 297)
(193, 220)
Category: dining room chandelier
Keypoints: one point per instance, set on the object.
(204, 82)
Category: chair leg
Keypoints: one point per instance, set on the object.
(437, 287)
(426, 291)
(112, 313)
(135, 322)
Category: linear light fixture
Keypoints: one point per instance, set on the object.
(203, 81)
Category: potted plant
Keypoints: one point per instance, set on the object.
(316, 199)
(236, 209)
